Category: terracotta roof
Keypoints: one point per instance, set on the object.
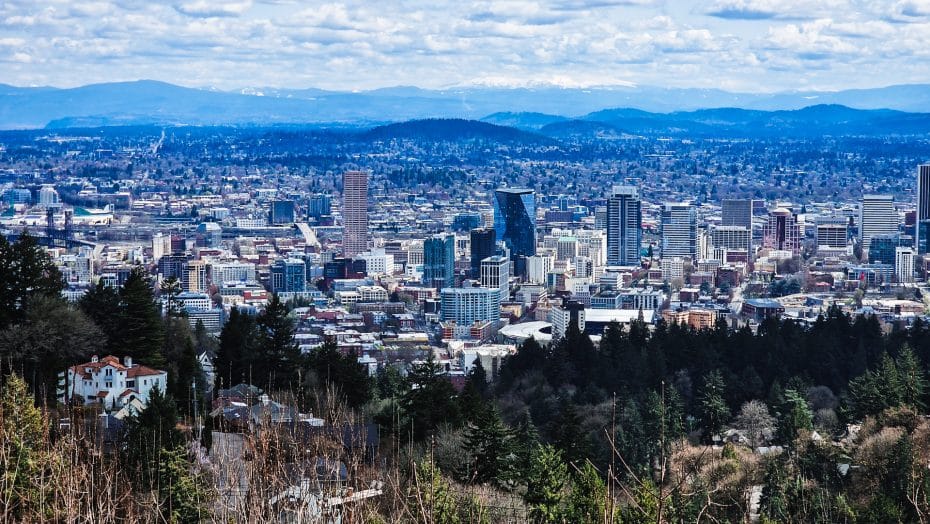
(102, 393)
(127, 392)
(142, 371)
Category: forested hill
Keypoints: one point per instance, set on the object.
(453, 130)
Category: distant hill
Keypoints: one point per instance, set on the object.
(531, 109)
(453, 129)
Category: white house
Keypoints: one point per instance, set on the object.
(110, 383)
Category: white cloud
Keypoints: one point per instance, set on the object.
(214, 8)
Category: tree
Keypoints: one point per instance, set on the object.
(142, 331)
(714, 409)
(279, 359)
(488, 444)
(545, 485)
(146, 434)
(182, 493)
(343, 372)
(26, 272)
(22, 433)
(754, 419)
(429, 399)
(432, 496)
(795, 416)
(474, 394)
(587, 502)
(50, 336)
(237, 349)
(912, 377)
(102, 304)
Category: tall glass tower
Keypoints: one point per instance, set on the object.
(624, 226)
(439, 261)
(515, 224)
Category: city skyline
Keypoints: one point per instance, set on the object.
(742, 45)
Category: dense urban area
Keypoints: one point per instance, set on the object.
(454, 321)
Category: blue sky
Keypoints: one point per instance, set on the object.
(740, 45)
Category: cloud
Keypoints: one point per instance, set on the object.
(773, 9)
(213, 8)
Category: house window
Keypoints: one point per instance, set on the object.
(130, 383)
(109, 385)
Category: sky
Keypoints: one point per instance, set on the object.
(736, 45)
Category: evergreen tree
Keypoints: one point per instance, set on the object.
(912, 378)
(279, 359)
(343, 372)
(26, 272)
(795, 416)
(142, 330)
(102, 304)
(237, 349)
(587, 502)
(474, 394)
(22, 434)
(429, 399)
(567, 435)
(432, 496)
(525, 442)
(182, 493)
(488, 443)
(714, 409)
(146, 434)
(545, 485)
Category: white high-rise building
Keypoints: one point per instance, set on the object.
(679, 230)
(495, 274)
(537, 267)
(877, 216)
(624, 226)
(904, 264)
(48, 196)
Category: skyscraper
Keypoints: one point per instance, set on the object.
(624, 226)
(439, 261)
(737, 213)
(482, 244)
(782, 231)
(679, 231)
(354, 212)
(515, 224)
(877, 216)
(495, 274)
(289, 275)
(922, 228)
(282, 212)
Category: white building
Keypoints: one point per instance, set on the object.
(372, 294)
(110, 383)
(537, 267)
(904, 264)
(377, 262)
(225, 272)
(877, 216)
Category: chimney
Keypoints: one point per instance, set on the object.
(93, 358)
(127, 361)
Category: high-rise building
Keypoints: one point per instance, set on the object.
(737, 213)
(439, 261)
(832, 232)
(482, 245)
(562, 317)
(515, 223)
(679, 230)
(466, 221)
(922, 229)
(782, 232)
(354, 212)
(882, 249)
(731, 238)
(282, 212)
(467, 305)
(319, 205)
(48, 196)
(624, 226)
(904, 264)
(877, 216)
(537, 267)
(194, 276)
(289, 275)
(495, 274)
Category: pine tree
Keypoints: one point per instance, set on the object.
(279, 359)
(525, 442)
(488, 442)
(474, 394)
(343, 372)
(26, 271)
(714, 409)
(102, 304)
(22, 434)
(237, 349)
(146, 434)
(182, 493)
(567, 435)
(142, 331)
(587, 502)
(429, 400)
(545, 485)
(912, 378)
(795, 416)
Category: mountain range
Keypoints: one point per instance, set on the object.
(551, 111)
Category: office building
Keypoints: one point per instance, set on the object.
(737, 213)
(482, 245)
(289, 275)
(882, 249)
(439, 261)
(282, 212)
(922, 229)
(731, 238)
(466, 221)
(877, 216)
(232, 272)
(194, 276)
(515, 223)
(537, 267)
(319, 205)
(562, 316)
(48, 196)
(495, 274)
(624, 226)
(354, 212)
(782, 232)
(467, 305)
(904, 264)
(832, 232)
(679, 230)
